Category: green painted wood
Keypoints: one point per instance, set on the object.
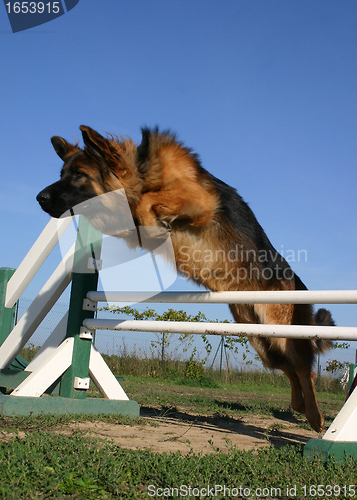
(11, 378)
(12, 405)
(328, 449)
(7, 316)
(89, 240)
(351, 376)
(7, 320)
(19, 363)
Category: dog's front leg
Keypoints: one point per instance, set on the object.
(144, 210)
(158, 206)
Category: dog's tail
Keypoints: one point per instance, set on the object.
(323, 318)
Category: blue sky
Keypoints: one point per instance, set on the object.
(264, 91)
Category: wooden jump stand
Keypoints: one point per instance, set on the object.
(68, 359)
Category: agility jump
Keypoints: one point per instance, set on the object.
(68, 358)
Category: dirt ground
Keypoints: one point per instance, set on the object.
(188, 433)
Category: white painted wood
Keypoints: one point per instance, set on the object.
(88, 305)
(40, 380)
(228, 329)
(81, 383)
(51, 344)
(246, 297)
(34, 259)
(85, 334)
(103, 378)
(344, 427)
(47, 297)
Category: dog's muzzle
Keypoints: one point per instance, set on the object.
(46, 202)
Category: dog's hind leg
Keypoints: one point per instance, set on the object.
(303, 396)
(298, 361)
(273, 357)
(312, 412)
(297, 399)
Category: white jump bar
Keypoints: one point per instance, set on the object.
(34, 259)
(230, 329)
(245, 297)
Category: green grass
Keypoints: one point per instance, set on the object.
(45, 465)
(38, 463)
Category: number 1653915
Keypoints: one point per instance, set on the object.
(33, 7)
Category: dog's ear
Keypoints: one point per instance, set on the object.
(96, 145)
(143, 151)
(61, 146)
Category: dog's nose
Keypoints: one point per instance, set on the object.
(43, 197)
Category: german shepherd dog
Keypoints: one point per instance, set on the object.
(166, 187)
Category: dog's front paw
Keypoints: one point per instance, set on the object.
(165, 225)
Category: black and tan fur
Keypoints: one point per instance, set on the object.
(166, 186)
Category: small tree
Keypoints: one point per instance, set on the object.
(162, 344)
(333, 365)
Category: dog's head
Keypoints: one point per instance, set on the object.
(102, 166)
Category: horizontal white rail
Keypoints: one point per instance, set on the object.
(228, 329)
(34, 259)
(266, 297)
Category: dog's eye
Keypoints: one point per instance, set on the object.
(78, 175)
